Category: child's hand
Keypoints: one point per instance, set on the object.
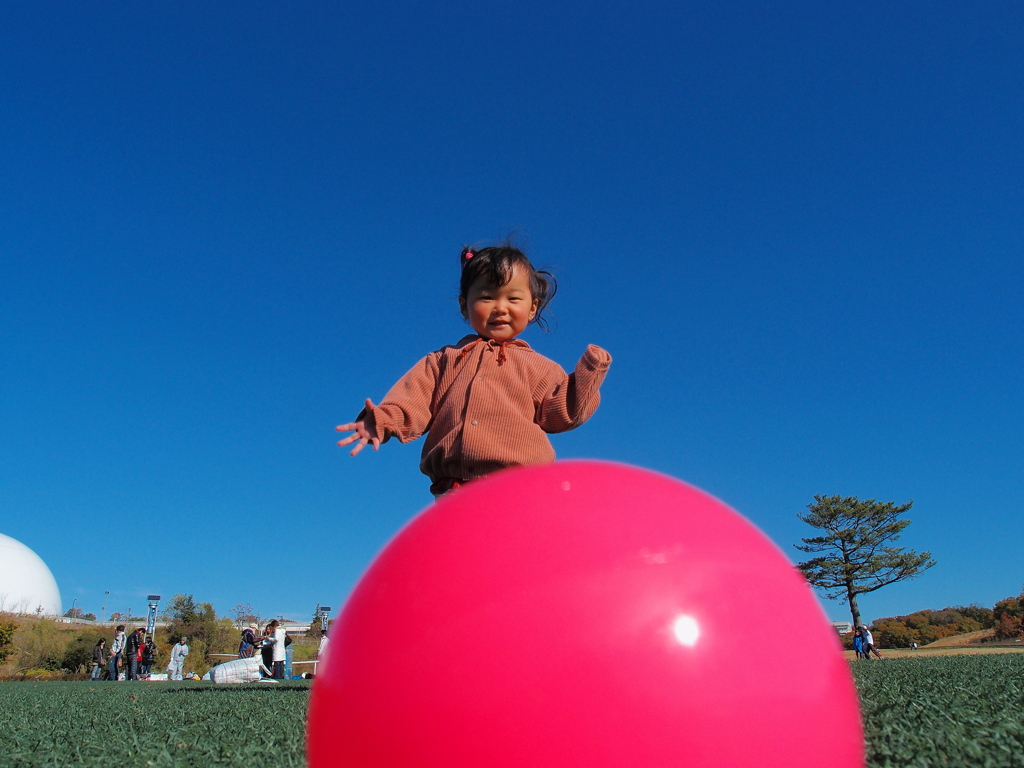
(365, 431)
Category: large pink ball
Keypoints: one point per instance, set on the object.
(583, 614)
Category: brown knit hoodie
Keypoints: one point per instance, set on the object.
(486, 405)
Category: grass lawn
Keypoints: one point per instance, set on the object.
(152, 724)
(965, 710)
(918, 712)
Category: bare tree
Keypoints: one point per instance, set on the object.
(245, 615)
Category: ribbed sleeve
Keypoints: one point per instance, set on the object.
(405, 411)
(574, 399)
(485, 406)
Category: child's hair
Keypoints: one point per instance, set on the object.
(495, 265)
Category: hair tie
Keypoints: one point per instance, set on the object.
(469, 255)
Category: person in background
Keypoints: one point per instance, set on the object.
(99, 659)
(279, 642)
(869, 642)
(117, 652)
(247, 645)
(178, 654)
(267, 646)
(858, 643)
(148, 655)
(133, 653)
(321, 651)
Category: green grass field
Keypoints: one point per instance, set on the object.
(946, 711)
(152, 724)
(943, 711)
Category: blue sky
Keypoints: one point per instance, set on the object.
(797, 228)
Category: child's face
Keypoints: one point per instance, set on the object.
(501, 313)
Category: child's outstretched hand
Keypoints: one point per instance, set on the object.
(365, 431)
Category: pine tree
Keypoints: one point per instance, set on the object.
(856, 557)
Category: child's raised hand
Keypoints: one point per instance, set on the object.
(364, 431)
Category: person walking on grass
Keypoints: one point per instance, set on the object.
(869, 644)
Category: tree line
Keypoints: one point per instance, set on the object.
(40, 648)
(855, 554)
(927, 626)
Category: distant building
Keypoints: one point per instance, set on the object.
(26, 584)
(842, 627)
(295, 627)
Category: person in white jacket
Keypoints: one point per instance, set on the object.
(117, 652)
(280, 641)
(321, 651)
(178, 654)
(869, 643)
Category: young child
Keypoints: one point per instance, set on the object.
(486, 402)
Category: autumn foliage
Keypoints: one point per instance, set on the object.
(1009, 618)
(923, 627)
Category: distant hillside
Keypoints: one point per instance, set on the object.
(967, 638)
(928, 627)
(956, 626)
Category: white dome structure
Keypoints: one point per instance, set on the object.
(26, 584)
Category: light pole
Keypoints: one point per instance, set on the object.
(73, 615)
(103, 613)
(154, 601)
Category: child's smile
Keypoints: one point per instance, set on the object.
(503, 312)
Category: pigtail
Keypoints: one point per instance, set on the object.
(544, 286)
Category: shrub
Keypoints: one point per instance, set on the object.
(44, 674)
(1009, 618)
(7, 630)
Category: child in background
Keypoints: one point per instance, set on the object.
(488, 401)
(148, 655)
